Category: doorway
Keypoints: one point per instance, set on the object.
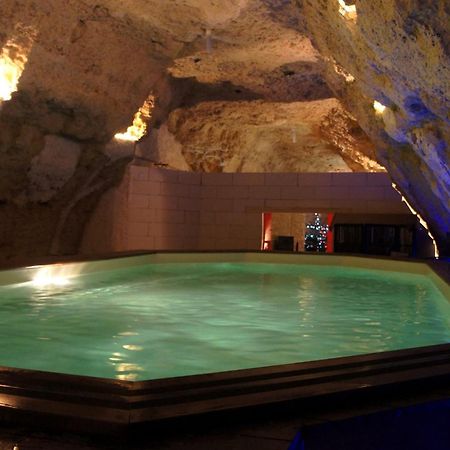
(297, 232)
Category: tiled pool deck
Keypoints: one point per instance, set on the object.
(272, 430)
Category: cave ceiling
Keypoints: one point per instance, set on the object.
(254, 85)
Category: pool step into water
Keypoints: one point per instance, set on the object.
(121, 404)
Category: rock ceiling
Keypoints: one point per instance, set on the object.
(255, 85)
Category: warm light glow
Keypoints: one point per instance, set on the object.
(53, 276)
(378, 107)
(48, 277)
(348, 11)
(349, 78)
(133, 348)
(139, 128)
(13, 59)
(421, 220)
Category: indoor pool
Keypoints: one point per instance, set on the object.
(157, 320)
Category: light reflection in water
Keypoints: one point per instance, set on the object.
(54, 276)
(268, 315)
(133, 348)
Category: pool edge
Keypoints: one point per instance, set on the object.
(122, 404)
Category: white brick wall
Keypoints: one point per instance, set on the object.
(174, 210)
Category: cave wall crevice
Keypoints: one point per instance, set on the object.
(395, 52)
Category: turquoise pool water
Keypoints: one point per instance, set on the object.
(164, 320)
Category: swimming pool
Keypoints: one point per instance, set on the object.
(136, 339)
(170, 319)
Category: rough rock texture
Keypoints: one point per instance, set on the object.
(80, 70)
(260, 136)
(396, 52)
(48, 187)
(261, 54)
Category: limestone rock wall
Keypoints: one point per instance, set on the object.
(262, 136)
(395, 52)
(238, 85)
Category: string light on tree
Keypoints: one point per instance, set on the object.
(316, 235)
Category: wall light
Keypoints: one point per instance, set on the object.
(49, 276)
(421, 220)
(13, 59)
(347, 11)
(349, 78)
(139, 128)
(55, 275)
(378, 107)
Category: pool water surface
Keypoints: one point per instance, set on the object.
(167, 320)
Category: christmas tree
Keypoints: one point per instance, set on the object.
(316, 235)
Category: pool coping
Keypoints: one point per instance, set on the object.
(438, 271)
(124, 404)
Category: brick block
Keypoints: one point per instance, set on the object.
(136, 229)
(192, 217)
(170, 216)
(248, 179)
(140, 243)
(239, 244)
(141, 215)
(144, 187)
(254, 205)
(225, 218)
(240, 204)
(225, 244)
(242, 218)
(253, 244)
(207, 243)
(138, 201)
(243, 232)
(294, 192)
(156, 174)
(155, 229)
(349, 179)
(161, 242)
(251, 219)
(217, 179)
(208, 192)
(160, 202)
(314, 179)
(378, 179)
(163, 175)
(349, 206)
(264, 192)
(176, 230)
(280, 179)
(172, 190)
(222, 205)
(138, 173)
(189, 204)
(213, 230)
(191, 178)
(207, 217)
(334, 192)
(231, 218)
(194, 191)
(300, 205)
(368, 193)
(232, 192)
(171, 242)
